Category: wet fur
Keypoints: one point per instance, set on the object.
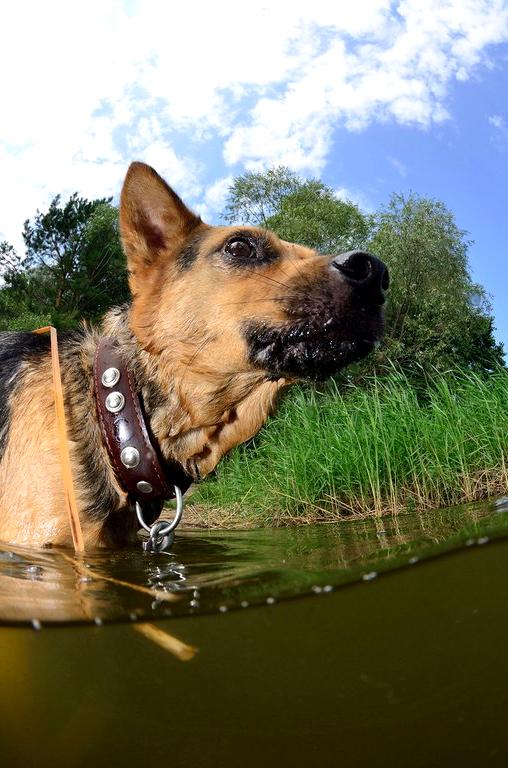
(211, 340)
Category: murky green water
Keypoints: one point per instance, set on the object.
(395, 652)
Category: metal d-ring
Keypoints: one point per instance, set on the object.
(161, 529)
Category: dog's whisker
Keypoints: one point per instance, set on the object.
(267, 278)
(194, 356)
(279, 269)
(297, 268)
(253, 301)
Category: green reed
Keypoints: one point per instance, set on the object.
(383, 448)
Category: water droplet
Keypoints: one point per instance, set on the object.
(369, 576)
(34, 572)
(36, 624)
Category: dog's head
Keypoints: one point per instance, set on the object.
(240, 299)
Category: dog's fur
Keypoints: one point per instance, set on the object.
(213, 333)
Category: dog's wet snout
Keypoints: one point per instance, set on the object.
(363, 271)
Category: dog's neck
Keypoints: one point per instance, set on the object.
(196, 416)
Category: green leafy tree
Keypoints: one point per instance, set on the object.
(9, 259)
(304, 211)
(101, 279)
(74, 266)
(15, 313)
(254, 197)
(313, 215)
(437, 317)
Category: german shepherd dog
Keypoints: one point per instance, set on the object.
(221, 320)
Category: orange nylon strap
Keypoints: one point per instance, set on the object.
(70, 496)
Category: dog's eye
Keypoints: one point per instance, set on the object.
(240, 249)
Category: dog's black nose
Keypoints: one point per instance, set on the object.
(365, 272)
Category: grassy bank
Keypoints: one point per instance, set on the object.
(375, 450)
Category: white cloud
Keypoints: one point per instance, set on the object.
(401, 72)
(86, 88)
(499, 123)
(214, 199)
(399, 166)
(500, 137)
(356, 197)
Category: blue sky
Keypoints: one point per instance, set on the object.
(372, 96)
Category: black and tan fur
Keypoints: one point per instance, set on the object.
(214, 332)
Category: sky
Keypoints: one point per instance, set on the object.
(371, 96)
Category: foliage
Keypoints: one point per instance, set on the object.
(436, 316)
(102, 278)
(73, 267)
(9, 259)
(300, 210)
(313, 216)
(254, 197)
(378, 449)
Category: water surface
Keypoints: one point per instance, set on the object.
(209, 571)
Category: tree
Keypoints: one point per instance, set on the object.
(9, 259)
(254, 197)
(437, 317)
(15, 313)
(74, 266)
(313, 215)
(101, 279)
(305, 211)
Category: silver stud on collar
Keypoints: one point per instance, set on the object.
(144, 487)
(130, 457)
(115, 401)
(110, 377)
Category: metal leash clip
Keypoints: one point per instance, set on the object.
(161, 534)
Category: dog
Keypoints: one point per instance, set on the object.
(221, 320)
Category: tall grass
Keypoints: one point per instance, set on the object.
(380, 449)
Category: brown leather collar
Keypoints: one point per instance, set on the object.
(138, 464)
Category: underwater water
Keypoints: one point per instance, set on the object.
(379, 641)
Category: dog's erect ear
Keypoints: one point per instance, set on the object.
(154, 222)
